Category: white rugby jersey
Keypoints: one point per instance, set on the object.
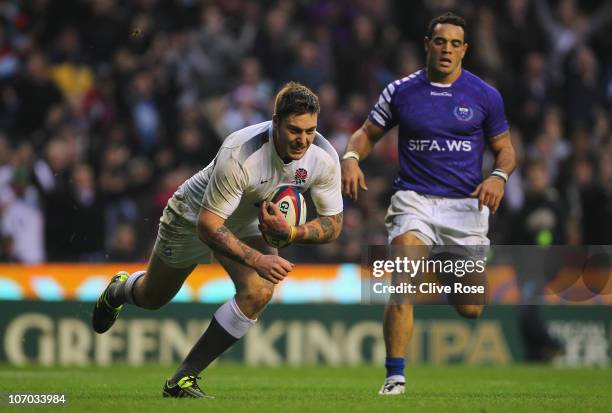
(247, 170)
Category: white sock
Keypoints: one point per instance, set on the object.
(232, 319)
(396, 378)
(129, 286)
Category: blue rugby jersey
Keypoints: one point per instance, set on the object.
(442, 131)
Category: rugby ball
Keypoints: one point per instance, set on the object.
(293, 207)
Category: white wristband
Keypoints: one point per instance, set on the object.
(501, 174)
(351, 155)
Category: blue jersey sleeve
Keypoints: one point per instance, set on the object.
(382, 114)
(495, 122)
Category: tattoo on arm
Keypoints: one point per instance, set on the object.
(320, 230)
(327, 225)
(312, 234)
(225, 242)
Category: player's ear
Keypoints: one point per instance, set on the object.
(426, 44)
(465, 48)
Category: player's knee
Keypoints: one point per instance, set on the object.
(263, 296)
(401, 310)
(257, 297)
(470, 310)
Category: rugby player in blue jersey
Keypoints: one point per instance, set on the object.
(445, 115)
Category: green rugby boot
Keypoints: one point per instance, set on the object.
(104, 314)
(187, 387)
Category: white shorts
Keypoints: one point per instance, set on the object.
(178, 244)
(437, 220)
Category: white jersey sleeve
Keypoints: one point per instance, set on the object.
(226, 186)
(326, 192)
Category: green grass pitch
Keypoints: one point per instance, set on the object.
(313, 389)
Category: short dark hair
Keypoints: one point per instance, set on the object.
(295, 99)
(447, 18)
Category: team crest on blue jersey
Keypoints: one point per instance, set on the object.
(300, 176)
(463, 112)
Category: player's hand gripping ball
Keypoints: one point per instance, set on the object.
(276, 225)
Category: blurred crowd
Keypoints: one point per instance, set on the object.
(106, 106)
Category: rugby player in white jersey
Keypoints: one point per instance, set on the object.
(446, 116)
(221, 211)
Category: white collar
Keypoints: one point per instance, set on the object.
(441, 84)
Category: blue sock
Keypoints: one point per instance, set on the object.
(395, 366)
